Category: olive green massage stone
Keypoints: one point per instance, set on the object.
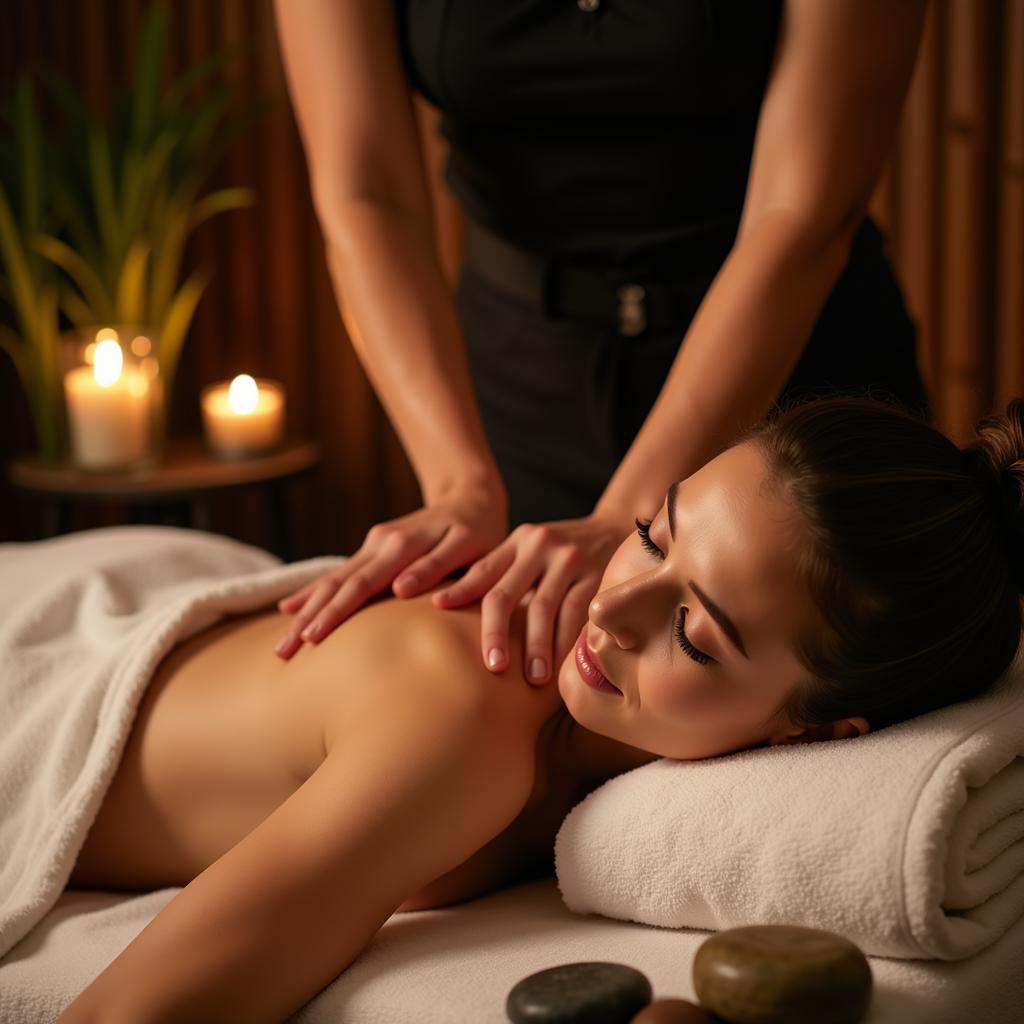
(782, 974)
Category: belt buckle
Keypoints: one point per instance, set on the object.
(632, 309)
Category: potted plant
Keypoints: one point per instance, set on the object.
(94, 219)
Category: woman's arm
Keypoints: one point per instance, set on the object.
(416, 789)
(826, 126)
(366, 171)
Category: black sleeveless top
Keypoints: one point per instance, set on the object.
(619, 136)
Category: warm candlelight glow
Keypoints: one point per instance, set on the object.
(243, 416)
(107, 362)
(141, 345)
(243, 395)
(109, 406)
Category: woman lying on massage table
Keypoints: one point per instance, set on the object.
(841, 568)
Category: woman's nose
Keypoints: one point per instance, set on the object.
(626, 611)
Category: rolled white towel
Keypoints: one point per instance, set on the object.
(908, 841)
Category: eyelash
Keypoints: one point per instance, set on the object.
(643, 528)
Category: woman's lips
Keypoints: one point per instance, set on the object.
(587, 666)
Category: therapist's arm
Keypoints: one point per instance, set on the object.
(357, 123)
(827, 124)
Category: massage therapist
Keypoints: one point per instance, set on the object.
(666, 234)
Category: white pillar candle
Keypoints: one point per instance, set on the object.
(243, 417)
(108, 410)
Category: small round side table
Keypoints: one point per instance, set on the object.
(187, 476)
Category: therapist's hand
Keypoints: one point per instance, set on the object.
(565, 561)
(420, 549)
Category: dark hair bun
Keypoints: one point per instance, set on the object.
(996, 457)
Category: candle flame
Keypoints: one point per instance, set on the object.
(243, 394)
(107, 361)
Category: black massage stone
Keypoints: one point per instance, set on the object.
(782, 974)
(592, 992)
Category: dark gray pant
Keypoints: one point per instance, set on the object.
(562, 401)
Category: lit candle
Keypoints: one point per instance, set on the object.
(244, 417)
(108, 410)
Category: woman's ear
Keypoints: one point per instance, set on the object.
(848, 728)
(843, 728)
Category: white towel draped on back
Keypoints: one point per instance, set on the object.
(84, 621)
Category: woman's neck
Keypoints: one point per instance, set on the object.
(582, 759)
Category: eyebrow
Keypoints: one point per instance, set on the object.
(728, 627)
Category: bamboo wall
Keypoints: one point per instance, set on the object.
(952, 201)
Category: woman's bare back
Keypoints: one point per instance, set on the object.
(226, 732)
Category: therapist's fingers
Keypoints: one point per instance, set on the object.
(478, 578)
(500, 601)
(296, 599)
(538, 657)
(455, 548)
(353, 593)
(319, 593)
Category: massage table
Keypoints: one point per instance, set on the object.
(79, 647)
(456, 965)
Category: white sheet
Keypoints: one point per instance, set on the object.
(457, 965)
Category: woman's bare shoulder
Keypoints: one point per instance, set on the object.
(397, 650)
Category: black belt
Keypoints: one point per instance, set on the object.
(605, 298)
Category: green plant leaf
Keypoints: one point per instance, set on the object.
(203, 122)
(81, 235)
(139, 182)
(19, 270)
(170, 233)
(219, 202)
(48, 408)
(176, 324)
(130, 304)
(81, 272)
(192, 76)
(29, 148)
(77, 310)
(148, 61)
(14, 345)
(200, 169)
(102, 178)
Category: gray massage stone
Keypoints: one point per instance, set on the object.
(592, 992)
(782, 974)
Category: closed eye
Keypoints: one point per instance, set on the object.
(643, 528)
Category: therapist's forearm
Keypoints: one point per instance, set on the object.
(400, 315)
(741, 347)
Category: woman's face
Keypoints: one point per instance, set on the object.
(697, 628)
